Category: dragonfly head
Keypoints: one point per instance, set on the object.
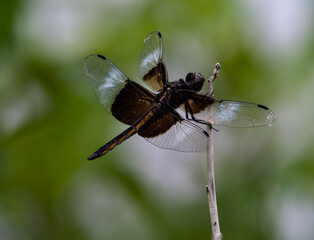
(195, 81)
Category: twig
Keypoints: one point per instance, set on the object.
(210, 188)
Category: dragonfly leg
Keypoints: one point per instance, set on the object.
(189, 110)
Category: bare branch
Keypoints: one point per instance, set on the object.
(210, 188)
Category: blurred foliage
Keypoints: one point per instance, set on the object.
(50, 121)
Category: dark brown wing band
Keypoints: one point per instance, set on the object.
(159, 124)
(132, 102)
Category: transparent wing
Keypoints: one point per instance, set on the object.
(184, 136)
(107, 80)
(237, 114)
(151, 69)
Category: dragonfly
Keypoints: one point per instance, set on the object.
(168, 114)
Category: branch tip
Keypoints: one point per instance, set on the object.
(215, 73)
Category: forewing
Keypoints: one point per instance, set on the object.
(170, 132)
(232, 113)
(241, 114)
(123, 98)
(152, 69)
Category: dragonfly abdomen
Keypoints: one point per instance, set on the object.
(114, 142)
(129, 132)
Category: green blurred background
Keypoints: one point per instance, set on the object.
(51, 121)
